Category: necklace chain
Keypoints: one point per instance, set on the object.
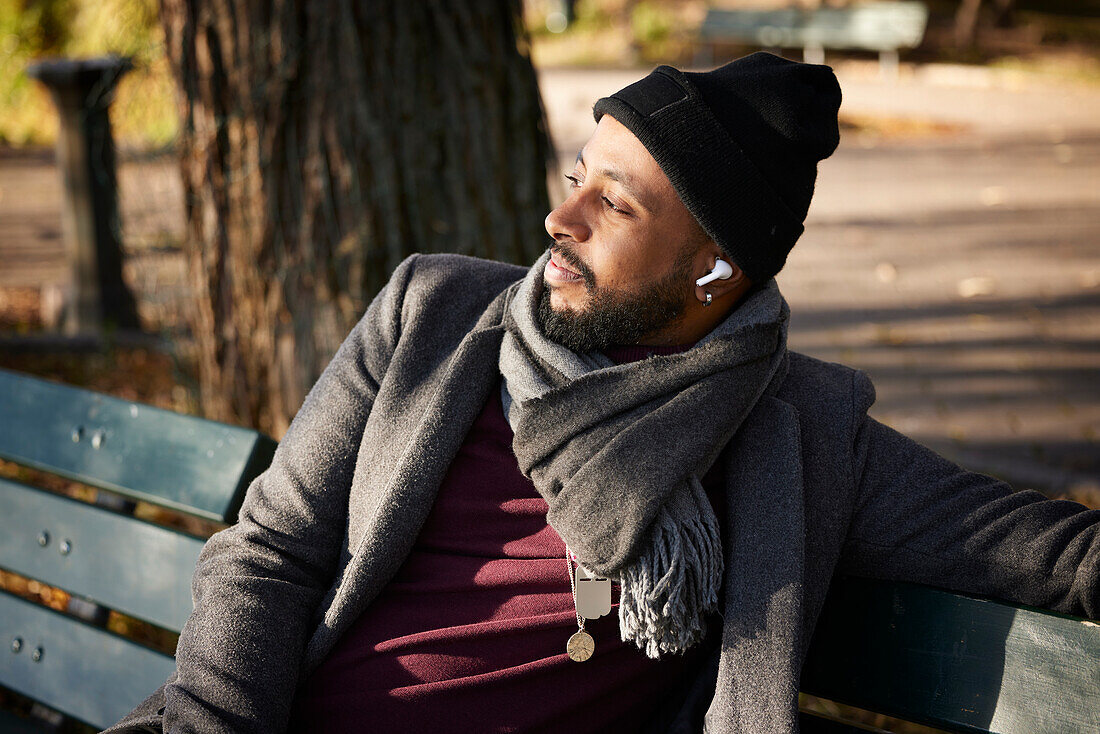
(573, 587)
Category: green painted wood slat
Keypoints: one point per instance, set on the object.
(82, 671)
(955, 662)
(12, 724)
(120, 562)
(145, 453)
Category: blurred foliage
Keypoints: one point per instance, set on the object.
(616, 32)
(651, 22)
(143, 114)
(597, 36)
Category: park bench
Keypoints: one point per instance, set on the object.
(952, 661)
(884, 27)
(958, 663)
(129, 460)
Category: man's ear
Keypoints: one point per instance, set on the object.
(736, 284)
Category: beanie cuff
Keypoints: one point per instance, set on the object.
(718, 183)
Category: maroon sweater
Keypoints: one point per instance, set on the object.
(470, 634)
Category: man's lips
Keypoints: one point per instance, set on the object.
(557, 270)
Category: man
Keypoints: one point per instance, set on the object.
(598, 495)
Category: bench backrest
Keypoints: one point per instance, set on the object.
(955, 662)
(930, 656)
(876, 26)
(192, 466)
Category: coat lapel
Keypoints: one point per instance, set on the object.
(388, 522)
(758, 673)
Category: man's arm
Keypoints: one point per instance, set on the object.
(919, 517)
(258, 584)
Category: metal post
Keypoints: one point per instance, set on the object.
(813, 53)
(82, 90)
(888, 63)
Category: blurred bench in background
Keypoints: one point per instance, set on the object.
(885, 27)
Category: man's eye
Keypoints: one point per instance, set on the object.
(574, 182)
(611, 205)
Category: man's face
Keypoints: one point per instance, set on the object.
(621, 266)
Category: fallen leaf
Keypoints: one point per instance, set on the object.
(976, 286)
(992, 195)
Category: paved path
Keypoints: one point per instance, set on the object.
(961, 270)
(965, 279)
(30, 225)
(32, 251)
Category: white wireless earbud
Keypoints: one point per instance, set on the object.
(722, 271)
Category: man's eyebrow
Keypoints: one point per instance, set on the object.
(622, 178)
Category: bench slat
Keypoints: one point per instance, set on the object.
(145, 453)
(769, 28)
(12, 724)
(955, 662)
(882, 26)
(85, 672)
(877, 26)
(117, 561)
(810, 723)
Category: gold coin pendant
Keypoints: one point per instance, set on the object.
(580, 646)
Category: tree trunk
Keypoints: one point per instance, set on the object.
(322, 142)
(1004, 13)
(966, 23)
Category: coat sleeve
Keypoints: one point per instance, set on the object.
(919, 517)
(258, 584)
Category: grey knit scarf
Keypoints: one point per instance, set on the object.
(617, 452)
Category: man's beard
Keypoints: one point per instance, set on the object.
(615, 317)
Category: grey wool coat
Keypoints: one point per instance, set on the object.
(323, 530)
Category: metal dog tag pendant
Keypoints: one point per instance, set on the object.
(593, 594)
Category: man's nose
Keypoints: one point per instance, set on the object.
(567, 222)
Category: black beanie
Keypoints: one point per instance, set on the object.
(740, 145)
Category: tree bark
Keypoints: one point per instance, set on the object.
(322, 142)
(1004, 13)
(966, 23)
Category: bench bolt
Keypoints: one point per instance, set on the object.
(66, 547)
(16, 644)
(43, 539)
(36, 654)
(77, 434)
(97, 439)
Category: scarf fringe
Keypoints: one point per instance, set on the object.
(668, 591)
